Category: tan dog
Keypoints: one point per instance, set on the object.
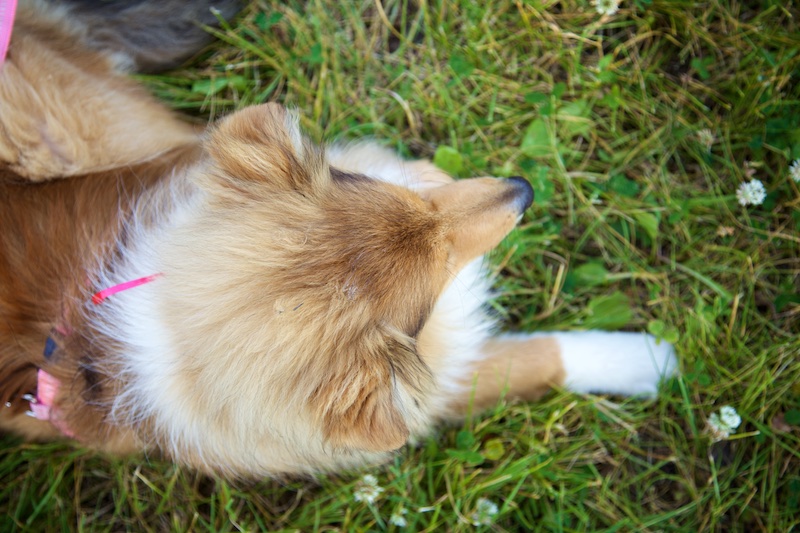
(261, 305)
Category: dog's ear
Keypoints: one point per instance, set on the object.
(362, 407)
(364, 417)
(263, 146)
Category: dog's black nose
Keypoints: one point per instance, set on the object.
(524, 192)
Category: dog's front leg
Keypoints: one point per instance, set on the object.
(525, 367)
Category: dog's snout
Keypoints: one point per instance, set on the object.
(523, 191)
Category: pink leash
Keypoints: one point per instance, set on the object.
(47, 386)
(8, 9)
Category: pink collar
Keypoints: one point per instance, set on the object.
(8, 9)
(99, 297)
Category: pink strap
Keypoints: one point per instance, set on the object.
(99, 297)
(8, 9)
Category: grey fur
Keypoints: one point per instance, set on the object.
(156, 34)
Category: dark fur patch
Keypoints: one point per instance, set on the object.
(342, 176)
(423, 318)
(16, 379)
(156, 34)
(93, 386)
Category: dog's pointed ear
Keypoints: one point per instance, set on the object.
(263, 146)
(367, 419)
(362, 408)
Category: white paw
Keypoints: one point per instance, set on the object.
(630, 364)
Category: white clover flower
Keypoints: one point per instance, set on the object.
(397, 518)
(606, 7)
(725, 423)
(730, 417)
(368, 489)
(794, 171)
(484, 512)
(751, 193)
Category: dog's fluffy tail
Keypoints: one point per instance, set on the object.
(155, 34)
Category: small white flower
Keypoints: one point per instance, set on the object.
(397, 518)
(484, 512)
(751, 193)
(368, 490)
(794, 170)
(606, 7)
(725, 423)
(730, 417)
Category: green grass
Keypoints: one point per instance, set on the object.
(636, 226)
